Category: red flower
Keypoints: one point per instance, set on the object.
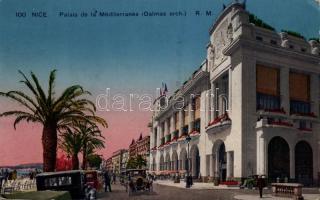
(224, 117)
(305, 129)
(281, 123)
(230, 183)
(194, 132)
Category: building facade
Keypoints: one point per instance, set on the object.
(117, 159)
(124, 160)
(108, 165)
(252, 107)
(133, 149)
(141, 146)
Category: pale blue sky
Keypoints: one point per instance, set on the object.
(126, 53)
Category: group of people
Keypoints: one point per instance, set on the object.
(108, 180)
(6, 175)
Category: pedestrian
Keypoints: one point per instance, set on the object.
(114, 178)
(107, 181)
(260, 184)
(6, 175)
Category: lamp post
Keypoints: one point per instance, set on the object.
(188, 181)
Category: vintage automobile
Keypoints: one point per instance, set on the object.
(94, 178)
(136, 180)
(73, 181)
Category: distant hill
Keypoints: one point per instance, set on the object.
(27, 165)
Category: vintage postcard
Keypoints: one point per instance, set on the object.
(160, 99)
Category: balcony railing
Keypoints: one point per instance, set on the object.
(300, 107)
(267, 102)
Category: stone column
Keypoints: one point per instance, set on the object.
(158, 134)
(261, 156)
(229, 90)
(284, 89)
(211, 172)
(229, 164)
(180, 121)
(169, 125)
(208, 107)
(191, 117)
(212, 101)
(314, 93)
(292, 163)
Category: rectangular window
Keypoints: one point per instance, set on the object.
(299, 87)
(259, 38)
(268, 88)
(267, 80)
(273, 42)
(162, 129)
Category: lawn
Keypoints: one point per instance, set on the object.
(40, 195)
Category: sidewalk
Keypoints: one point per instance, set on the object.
(269, 196)
(197, 185)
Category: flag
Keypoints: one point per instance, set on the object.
(165, 89)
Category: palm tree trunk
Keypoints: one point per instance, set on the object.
(75, 162)
(84, 157)
(49, 145)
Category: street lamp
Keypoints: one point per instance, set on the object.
(188, 181)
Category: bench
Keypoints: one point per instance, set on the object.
(292, 190)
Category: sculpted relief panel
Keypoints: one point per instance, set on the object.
(221, 38)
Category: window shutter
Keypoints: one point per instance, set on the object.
(267, 80)
(299, 87)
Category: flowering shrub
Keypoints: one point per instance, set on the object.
(230, 183)
(305, 129)
(280, 123)
(174, 139)
(183, 135)
(224, 117)
(194, 133)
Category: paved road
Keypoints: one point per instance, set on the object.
(172, 193)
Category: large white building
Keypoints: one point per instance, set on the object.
(252, 107)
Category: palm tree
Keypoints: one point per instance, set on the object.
(140, 162)
(55, 114)
(71, 143)
(91, 140)
(84, 137)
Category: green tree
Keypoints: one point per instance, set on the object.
(131, 164)
(92, 140)
(94, 160)
(71, 143)
(136, 162)
(140, 162)
(54, 113)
